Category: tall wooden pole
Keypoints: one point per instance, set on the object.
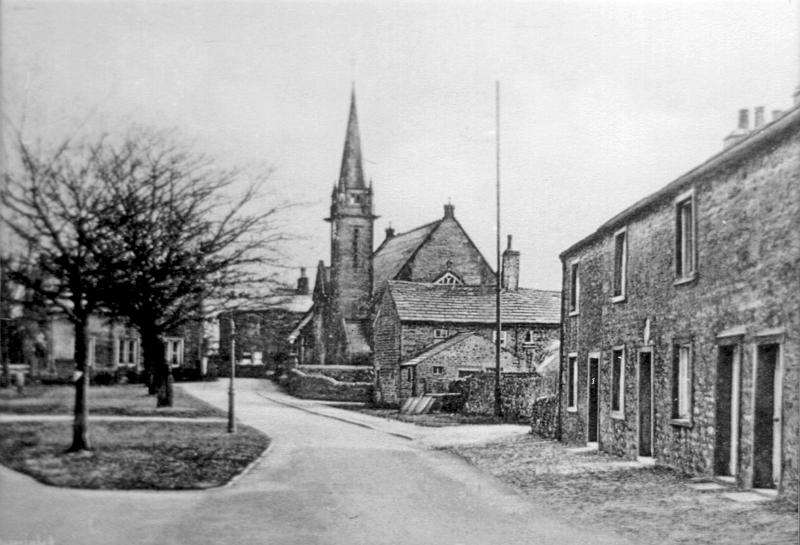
(498, 397)
(231, 416)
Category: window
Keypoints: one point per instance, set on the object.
(439, 333)
(617, 382)
(682, 382)
(528, 337)
(355, 247)
(574, 287)
(173, 347)
(438, 370)
(448, 278)
(91, 351)
(572, 382)
(503, 337)
(408, 374)
(685, 237)
(620, 264)
(127, 351)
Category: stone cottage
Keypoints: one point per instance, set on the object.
(426, 335)
(680, 318)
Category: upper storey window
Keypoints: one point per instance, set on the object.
(448, 278)
(685, 237)
(620, 264)
(574, 287)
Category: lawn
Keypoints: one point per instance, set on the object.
(131, 455)
(647, 504)
(118, 400)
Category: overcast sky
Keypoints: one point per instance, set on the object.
(601, 102)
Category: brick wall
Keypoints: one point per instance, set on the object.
(748, 253)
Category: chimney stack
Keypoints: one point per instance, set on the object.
(741, 132)
(302, 282)
(510, 276)
(449, 211)
(389, 232)
(758, 122)
(776, 114)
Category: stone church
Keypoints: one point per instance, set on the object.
(340, 329)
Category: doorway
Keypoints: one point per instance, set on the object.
(726, 449)
(646, 404)
(593, 401)
(767, 417)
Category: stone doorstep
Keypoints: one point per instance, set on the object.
(746, 496)
(707, 486)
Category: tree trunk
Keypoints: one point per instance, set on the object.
(159, 369)
(80, 425)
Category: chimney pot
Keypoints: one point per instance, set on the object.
(759, 117)
(389, 232)
(302, 282)
(744, 119)
(509, 242)
(449, 210)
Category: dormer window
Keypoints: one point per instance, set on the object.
(448, 278)
(439, 333)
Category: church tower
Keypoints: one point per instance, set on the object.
(351, 220)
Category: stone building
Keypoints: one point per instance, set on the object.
(428, 335)
(339, 325)
(261, 331)
(680, 318)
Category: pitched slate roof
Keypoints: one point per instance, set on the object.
(473, 304)
(395, 252)
(441, 347)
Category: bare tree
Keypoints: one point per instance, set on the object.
(182, 242)
(53, 203)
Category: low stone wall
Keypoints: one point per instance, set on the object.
(314, 386)
(342, 373)
(518, 391)
(544, 416)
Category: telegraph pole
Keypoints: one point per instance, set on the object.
(498, 397)
(231, 417)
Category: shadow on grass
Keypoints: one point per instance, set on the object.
(131, 455)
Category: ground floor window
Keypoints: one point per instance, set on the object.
(617, 381)
(174, 350)
(438, 370)
(682, 382)
(572, 381)
(127, 351)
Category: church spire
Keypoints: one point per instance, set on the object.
(352, 174)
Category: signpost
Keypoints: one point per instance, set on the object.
(231, 418)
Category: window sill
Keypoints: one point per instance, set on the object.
(572, 410)
(617, 415)
(618, 298)
(574, 313)
(686, 279)
(681, 422)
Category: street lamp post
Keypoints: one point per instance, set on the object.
(231, 418)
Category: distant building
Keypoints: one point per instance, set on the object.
(261, 331)
(428, 335)
(680, 318)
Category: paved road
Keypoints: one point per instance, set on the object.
(323, 481)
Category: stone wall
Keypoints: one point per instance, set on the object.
(449, 242)
(519, 393)
(747, 214)
(306, 386)
(544, 416)
(342, 373)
